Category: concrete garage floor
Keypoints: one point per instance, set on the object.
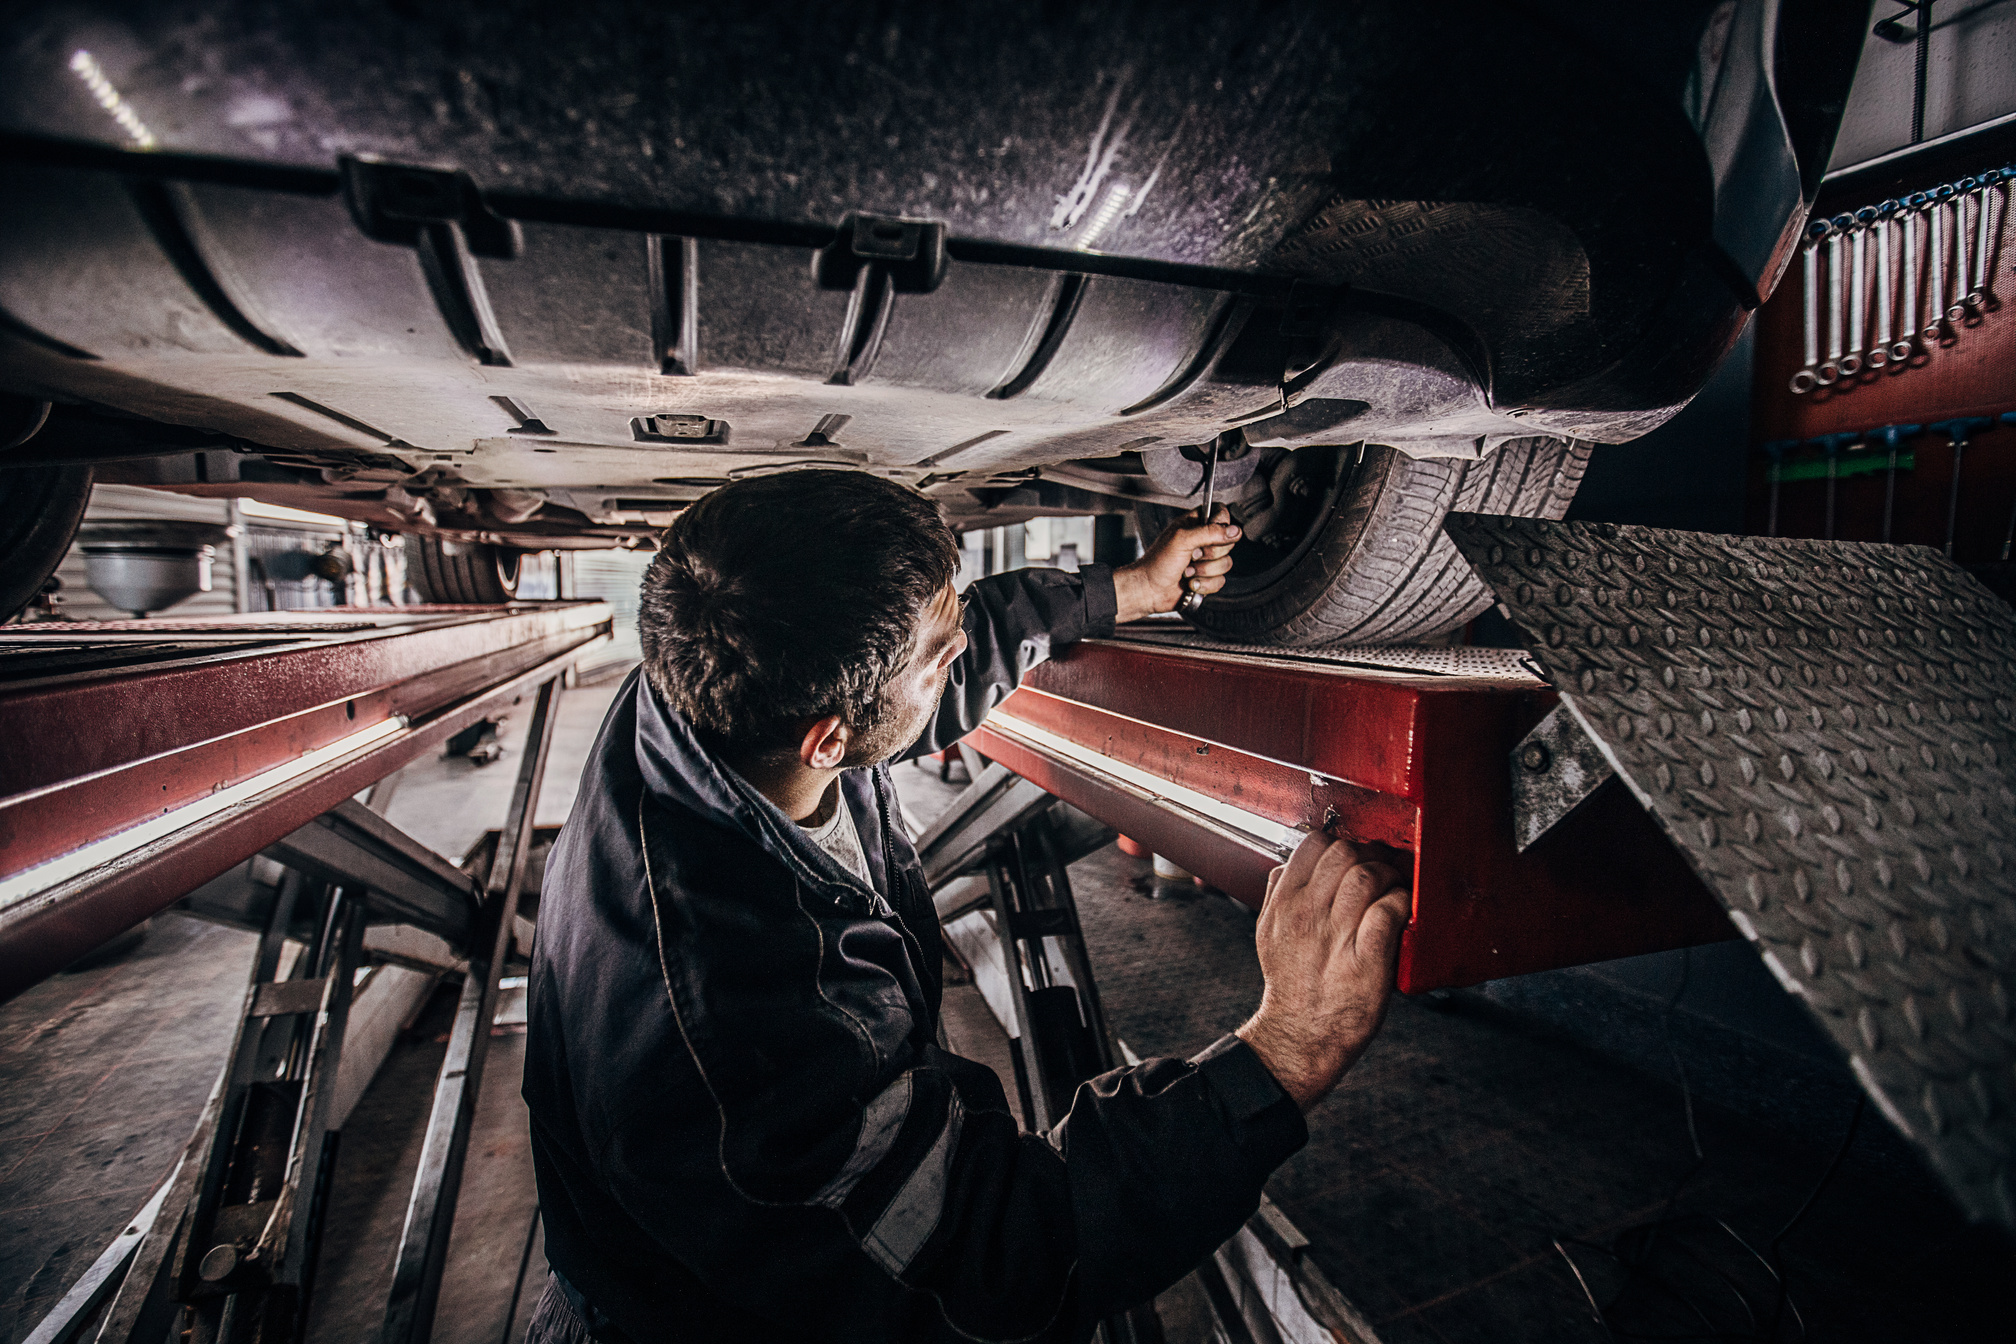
(447, 803)
(103, 1075)
(1467, 1141)
(1435, 1184)
(494, 1234)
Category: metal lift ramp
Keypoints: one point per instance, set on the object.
(1817, 749)
(1827, 731)
(140, 759)
(225, 1251)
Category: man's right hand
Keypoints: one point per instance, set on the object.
(1328, 938)
(1191, 556)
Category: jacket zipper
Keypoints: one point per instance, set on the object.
(899, 879)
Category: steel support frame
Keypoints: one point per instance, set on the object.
(409, 883)
(229, 1245)
(430, 1214)
(1007, 828)
(1034, 916)
(225, 1260)
(958, 840)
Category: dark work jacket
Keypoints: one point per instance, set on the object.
(742, 1123)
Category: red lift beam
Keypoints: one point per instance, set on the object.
(1410, 759)
(139, 760)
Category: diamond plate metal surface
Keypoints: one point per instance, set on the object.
(1827, 730)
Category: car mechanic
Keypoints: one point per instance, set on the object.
(744, 1124)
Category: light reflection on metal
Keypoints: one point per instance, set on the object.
(85, 66)
(20, 886)
(1263, 830)
(1108, 211)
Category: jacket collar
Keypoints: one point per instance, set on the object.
(677, 769)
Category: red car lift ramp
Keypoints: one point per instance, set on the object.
(1811, 745)
(1220, 759)
(140, 759)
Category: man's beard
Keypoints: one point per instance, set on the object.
(894, 731)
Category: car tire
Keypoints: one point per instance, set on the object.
(459, 573)
(40, 509)
(1369, 563)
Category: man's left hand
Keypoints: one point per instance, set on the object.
(1189, 556)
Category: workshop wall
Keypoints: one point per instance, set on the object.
(1970, 78)
(1821, 443)
(1712, 1017)
(615, 576)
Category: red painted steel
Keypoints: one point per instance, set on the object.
(58, 728)
(1236, 868)
(1298, 713)
(464, 664)
(1415, 761)
(1288, 794)
(220, 742)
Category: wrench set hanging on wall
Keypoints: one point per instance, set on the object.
(1921, 267)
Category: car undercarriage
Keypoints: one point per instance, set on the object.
(546, 302)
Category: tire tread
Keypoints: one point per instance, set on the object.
(469, 575)
(41, 508)
(1382, 571)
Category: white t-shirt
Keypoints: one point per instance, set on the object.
(837, 836)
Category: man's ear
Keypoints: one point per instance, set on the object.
(824, 745)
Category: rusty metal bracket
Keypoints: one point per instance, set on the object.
(1554, 770)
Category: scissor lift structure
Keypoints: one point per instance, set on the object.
(141, 760)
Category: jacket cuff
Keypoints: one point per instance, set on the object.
(1102, 604)
(1269, 1123)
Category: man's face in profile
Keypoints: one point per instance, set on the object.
(914, 692)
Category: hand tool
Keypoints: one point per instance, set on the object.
(1977, 290)
(1834, 443)
(1886, 286)
(1907, 323)
(1809, 264)
(1935, 270)
(1190, 602)
(1963, 271)
(1776, 450)
(1830, 368)
(1891, 436)
(1957, 430)
(1858, 290)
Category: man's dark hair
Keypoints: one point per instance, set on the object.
(783, 599)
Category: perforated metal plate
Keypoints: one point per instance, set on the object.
(1434, 659)
(1827, 730)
